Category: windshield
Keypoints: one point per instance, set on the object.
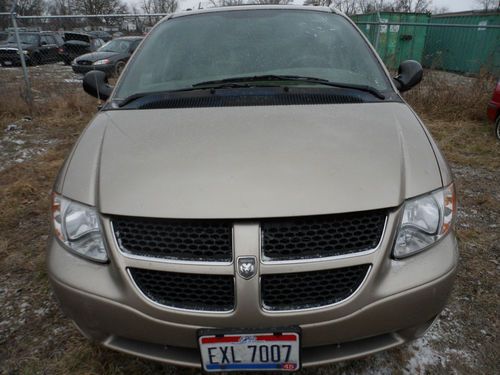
(117, 45)
(25, 38)
(187, 50)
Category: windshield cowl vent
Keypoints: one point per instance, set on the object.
(247, 101)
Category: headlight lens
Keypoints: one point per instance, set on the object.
(77, 227)
(425, 220)
(102, 62)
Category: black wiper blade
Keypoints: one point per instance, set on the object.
(131, 98)
(370, 89)
(276, 77)
(267, 77)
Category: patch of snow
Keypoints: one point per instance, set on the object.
(424, 355)
(41, 311)
(431, 350)
(72, 80)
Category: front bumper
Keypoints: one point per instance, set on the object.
(493, 111)
(83, 69)
(13, 59)
(397, 302)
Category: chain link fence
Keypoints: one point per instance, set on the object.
(47, 55)
(55, 48)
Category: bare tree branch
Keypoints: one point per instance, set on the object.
(488, 4)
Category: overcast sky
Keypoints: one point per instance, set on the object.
(453, 5)
(456, 5)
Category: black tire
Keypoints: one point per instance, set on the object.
(497, 128)
(119, 68)
(35, 60)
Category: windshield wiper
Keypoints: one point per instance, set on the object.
(223, 85)
(245, 82)
(276, 77)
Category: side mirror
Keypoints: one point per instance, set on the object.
(410, 74)
(43, 43)
(95, 83)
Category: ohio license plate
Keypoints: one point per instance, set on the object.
(268, 351)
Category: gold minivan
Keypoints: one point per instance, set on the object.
(254, 195)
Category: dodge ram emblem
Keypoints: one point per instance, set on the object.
(247, 267)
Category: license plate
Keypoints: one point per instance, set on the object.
(250, 351)
(7, 63)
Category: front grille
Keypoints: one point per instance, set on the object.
(186, 291)
(190, 240)
(303, 290)
(321, 236)
(9, 52)
(84, 62)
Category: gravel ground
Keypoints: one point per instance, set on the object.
(36, 338)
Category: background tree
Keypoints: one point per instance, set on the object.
(31, 7)
(99, 6)
(4, 6)
(226, 3)
(412, 6)
(440, 10)
(275, 2)
(4, 20)
(159, 6)
(488, 4)
(62, 7)
(366, 6)
(323, 3)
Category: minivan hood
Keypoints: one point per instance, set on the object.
(253, 162)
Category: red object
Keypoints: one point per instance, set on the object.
(494, 106)
(213, 340)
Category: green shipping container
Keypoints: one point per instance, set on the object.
(396, 43)
(464, 50)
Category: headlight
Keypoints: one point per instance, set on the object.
(77, 227)
(102, 62)
(26, 52)
(425, 220)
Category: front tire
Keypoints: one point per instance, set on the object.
(35, 60)
(120, 65)
(497, 128)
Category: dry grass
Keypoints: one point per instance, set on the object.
(13, 106)
(470, 143)
(450, 97)
(47, 343)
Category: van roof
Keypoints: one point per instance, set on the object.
(255, 7)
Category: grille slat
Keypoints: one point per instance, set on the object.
(321, 236)
(186, 291)
(190, 240)
(303, 290)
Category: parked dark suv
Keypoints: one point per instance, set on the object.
(77, 44)
(37, 47)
